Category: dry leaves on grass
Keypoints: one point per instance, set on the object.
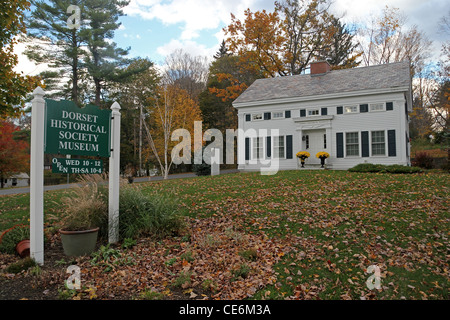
(219, 261)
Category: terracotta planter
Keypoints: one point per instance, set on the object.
(23, 248)
(79, 243)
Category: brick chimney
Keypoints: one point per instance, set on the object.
(319, 67)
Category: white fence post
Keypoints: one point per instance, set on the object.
(37, 177)
(114, 177)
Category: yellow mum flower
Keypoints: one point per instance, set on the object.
(322, 154)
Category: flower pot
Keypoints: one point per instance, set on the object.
(23, 248)
(79, 243)
(322, 161)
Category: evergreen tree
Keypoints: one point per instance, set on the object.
(223, 51)
(104, 61)
(340, 52)
(59, 46)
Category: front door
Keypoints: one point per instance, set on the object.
(314, 141)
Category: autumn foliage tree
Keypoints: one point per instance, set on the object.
(14, 156)
(172, 109)
(285, 42)
(14, 86)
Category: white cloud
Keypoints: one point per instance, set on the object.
(25, 65)
(189, 46)
(194, 14)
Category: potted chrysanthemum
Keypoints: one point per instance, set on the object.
(303, 155)
(322, 156)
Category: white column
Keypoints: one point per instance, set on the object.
(114, 182)
(241, 142)
(37, 177)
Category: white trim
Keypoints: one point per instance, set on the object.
(322, 97)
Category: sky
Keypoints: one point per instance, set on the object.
(155, 28)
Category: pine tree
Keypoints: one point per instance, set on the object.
(59, 46)
(104, 60)
(223, 51)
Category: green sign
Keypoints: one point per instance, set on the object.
(80, 166)
(77, 131)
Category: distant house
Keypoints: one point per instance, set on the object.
(356, 115)
(17, 180)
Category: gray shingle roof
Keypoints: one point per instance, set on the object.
(385, 76)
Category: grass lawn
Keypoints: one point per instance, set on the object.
(317, 231)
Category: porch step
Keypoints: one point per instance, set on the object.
(315, 166)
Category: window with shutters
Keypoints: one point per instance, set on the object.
(277, 115)
(378, 143)
(258, 148)
(374, 107)
(257, 116)
(279, 147)
(352, 144)
(351, 109)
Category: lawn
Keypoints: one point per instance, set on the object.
(293, 235)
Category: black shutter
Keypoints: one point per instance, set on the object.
(340, 110)
(266, 115)
(365, 143)
(269, 146)
(247, 117)
(302, 112)
(247, 148)
(392, 148)
(363, 108)
(389, 106)
(339, 145)
(289, 147)
(324, 111)
(287, 114)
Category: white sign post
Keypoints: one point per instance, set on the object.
(37, 177)
(38, 139)
(114, 182)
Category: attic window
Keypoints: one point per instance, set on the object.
(313, 112)
(351, 109)
(376, 107)
(276, 115)
(257, 116)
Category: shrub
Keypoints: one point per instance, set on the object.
(203, 169)
(11, 237)
(395, 168)
(147, 215)
(21, 265)
(423, 160)
(367, 167)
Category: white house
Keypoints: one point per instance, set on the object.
(356, 115)
(17, 180)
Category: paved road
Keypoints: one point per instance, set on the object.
(141, 179)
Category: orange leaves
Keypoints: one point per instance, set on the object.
(258, 41)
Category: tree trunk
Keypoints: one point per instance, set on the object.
(98, 89)
(74, 68)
